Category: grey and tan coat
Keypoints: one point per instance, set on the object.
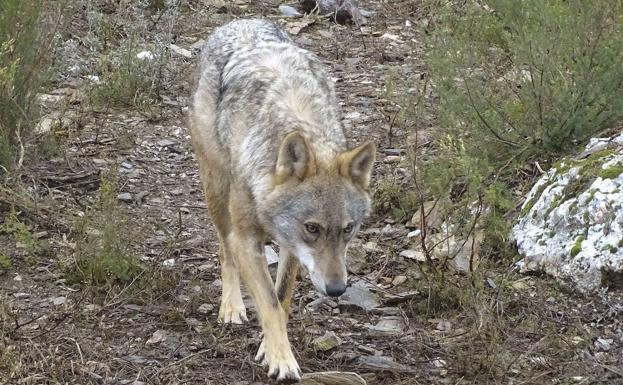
(274, 164)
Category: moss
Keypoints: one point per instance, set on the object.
(620, 243)
(562, 167)
(589, 170)
(529, 204)
(577, 246)
(613, 249)
(586, 217)
(611, 172)
(555, 203)
(573, 209)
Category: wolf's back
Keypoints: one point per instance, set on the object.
(235, 36)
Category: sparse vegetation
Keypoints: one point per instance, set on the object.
(577, 246)
(104, 239)
(127, 80)
(486, 103)
(25, 67)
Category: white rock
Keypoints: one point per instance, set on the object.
(572, 228)
(158, 337)
(205, 308)
(413, 254)
(388, 326)
(58, 301)
(603, 344)
(180, 51)
(326, 342)
(289, 11)
(94, 79)
(125, 197)
(145, 55)
(169, 262)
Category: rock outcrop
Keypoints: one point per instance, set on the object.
(571, 225)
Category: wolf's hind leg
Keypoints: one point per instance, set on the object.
(232, 308)
(216, 189)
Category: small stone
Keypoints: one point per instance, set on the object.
(92, 307)
(399, 280)
(326, 342)
(371, 247)
(145, 55)
(57, 301)
(289, 11)
(21, 295)
(125, 197)
(180, 51)
(388, 230)
(414, 233)
(196, 289)
(317, 303)
(169, 262)
(94, 79)
(439, 363)
(603, 344)
(332, 378)
(166, 143)
(17, 278)
(198, 44)
(158, 337)
(205, 308)
(388, 326)
(183, 298)
(379, 363)
(413, 254)
(393, 151)
(360, 296)
(576, 340)
(392, 159)
(204, 267)
(444, 326)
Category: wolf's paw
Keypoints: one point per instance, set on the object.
(230, 313)
(282, 365)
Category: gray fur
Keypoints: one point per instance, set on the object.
(248, 70)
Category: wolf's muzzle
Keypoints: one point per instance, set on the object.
(335, 289)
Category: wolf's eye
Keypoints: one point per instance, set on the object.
(311, 228)
(349, 228)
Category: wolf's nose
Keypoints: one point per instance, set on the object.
(336, 289)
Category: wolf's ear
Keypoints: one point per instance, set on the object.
(356, 164)
(295, 160)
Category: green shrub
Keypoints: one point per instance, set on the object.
(23, 237)
(519, 79)
(24, 68)
(514, 82)
(104, 240)
(127, 80)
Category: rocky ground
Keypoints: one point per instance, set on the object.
(161, 328)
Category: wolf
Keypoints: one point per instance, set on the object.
(275, 165)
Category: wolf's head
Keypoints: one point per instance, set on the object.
(317, 206)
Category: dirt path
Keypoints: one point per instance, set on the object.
(166, 333)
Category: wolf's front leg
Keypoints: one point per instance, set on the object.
(275, 350)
